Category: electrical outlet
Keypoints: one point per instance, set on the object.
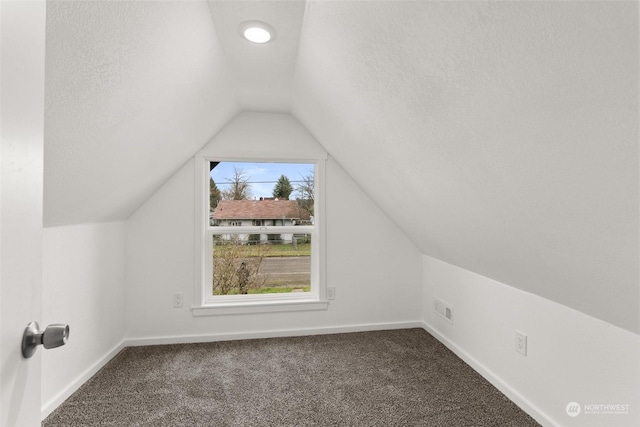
(331, 292)
(177, 300)
(521, 343)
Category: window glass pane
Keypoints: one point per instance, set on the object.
(261, 194)
(261, 263)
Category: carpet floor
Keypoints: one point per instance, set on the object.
(384, 378)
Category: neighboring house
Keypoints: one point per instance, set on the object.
(260, 213)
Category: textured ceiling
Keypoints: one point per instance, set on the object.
(502, 137)
(262, 74)
(133, 89)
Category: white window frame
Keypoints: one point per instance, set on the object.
(206, 304)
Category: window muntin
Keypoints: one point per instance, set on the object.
(261, 247)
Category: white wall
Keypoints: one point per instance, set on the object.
(377, 273)
(375, 269)
(572, 357)
(83, 286)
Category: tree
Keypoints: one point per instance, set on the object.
(214, 194)
(236, 267)
(239, 188)
(283, 188)
(306, 191)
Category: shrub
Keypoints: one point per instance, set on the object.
(235, 270)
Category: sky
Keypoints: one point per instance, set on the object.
(261, 176)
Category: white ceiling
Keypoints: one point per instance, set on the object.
(262, 74)
(133, 89)
(502, 137)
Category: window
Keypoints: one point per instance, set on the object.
(261, 244)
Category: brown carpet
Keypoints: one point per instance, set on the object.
(386, 378)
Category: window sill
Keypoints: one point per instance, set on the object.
(258, 307)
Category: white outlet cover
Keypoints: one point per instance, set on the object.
(521, 343)
(177, 300)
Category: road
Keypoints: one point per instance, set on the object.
(285, 265)
(286, 271)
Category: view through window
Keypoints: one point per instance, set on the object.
(261, 228)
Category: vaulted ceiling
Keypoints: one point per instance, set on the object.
(133, 89)
(501, 137)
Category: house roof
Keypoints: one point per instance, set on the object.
(260, 209)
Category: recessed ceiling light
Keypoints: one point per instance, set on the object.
(257, 35)
(257, 31)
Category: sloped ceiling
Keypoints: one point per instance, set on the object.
(502, 137)
(132, 90)
(262, 74)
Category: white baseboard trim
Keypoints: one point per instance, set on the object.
(535, 412)
(50, 406)
(275, 333)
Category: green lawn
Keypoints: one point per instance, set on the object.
(268, 290)
(303, 249)
(278, 250)
(280, 290)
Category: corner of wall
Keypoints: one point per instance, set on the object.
(382, 279)
(83, 286)
(572, 358)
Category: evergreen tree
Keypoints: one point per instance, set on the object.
(214, 194)
(283, 188)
